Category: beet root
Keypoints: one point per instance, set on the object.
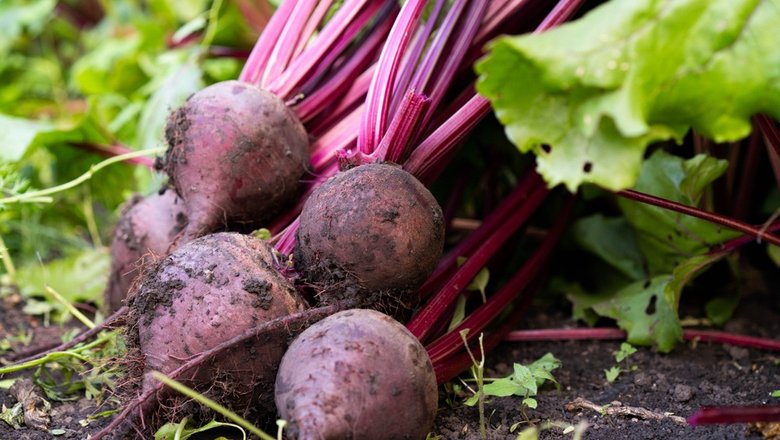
(236, 155)
(147, 228)
(357, 374)
(375, 222)
(207, 292)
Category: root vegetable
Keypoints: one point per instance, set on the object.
(207, 292)
(146, 229)
(357, 374)
(236, 155)
(375, 222)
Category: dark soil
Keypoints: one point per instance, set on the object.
(693, 375)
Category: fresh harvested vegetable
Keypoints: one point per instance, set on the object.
(356, 374)
(236, 155)
(206, 292)
(377, 225)
(146, 230)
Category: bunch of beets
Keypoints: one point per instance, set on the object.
(325, 140)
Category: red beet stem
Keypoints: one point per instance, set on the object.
(726, 415)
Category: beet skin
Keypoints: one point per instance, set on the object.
(206, 292)
(145, 231)
(357, 374)
(376, 223)
(236, 154)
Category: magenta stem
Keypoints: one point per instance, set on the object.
(560, 13)
(468, 25)
(511, 203)
(423, 322)
(310, 59)
(736, 243)
(411, 59)
(698, 213)
(337, 85)
(482, 316)
(726, 415)
(379, 92)
(287, 41)
(311, 25)
(428, 159)
(406, 122)
(566, 334)
(258, 58)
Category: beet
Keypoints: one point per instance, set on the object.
(145, 230)
(357, 374)
(236, 155)
(376, 223)
(206, 292)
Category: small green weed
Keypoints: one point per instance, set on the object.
(621, 355)
(524, 382)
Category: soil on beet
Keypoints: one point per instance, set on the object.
(691, 376)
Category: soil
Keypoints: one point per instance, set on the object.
(693, 375)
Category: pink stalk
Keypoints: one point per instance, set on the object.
(311, 26)
(422, 322)
(448, 265)
(560, 13)
(736, 243)
(450, 367)
(339, 83)
(411, 58)
(342, 136)
(314, 54)
(334, 59)
(352, 98)
(482, 316)
(426, 160)
(468, 24)
(258, 58)
(698, 213)
(378, 98)
(399, 136)
(288, 38)
(286, 241)
(715, 415)
(566, 334)
(497, 13)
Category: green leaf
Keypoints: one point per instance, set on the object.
(459, 314)
(542, 367)
(182, 430)
(775, 393)
(646, 312)
(79, 278)
(625, 351)
(178, 79)
(614, 241)
(17, 16)
(504, 387)
(17, 135)
(530, 402)
(666, 237)
(720, 308)
(523, 376)
(630, 72)
(612, 374)
(774, 254)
